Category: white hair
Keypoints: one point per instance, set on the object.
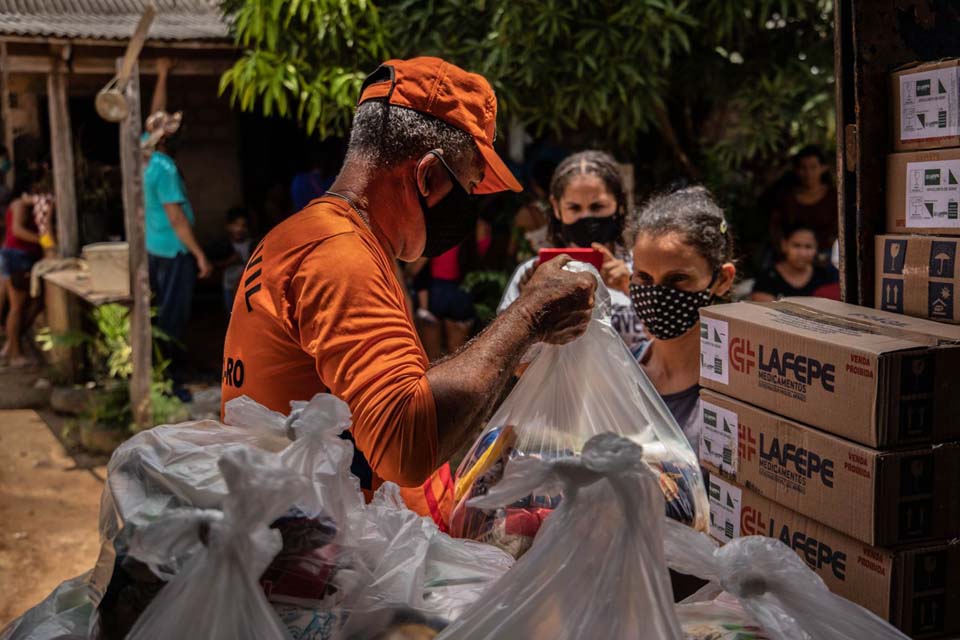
(386, 135)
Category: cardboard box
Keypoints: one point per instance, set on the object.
(877, 378)
(917, 589)
(918, 276)
(925, 105)
(881, 498)
(923, 192)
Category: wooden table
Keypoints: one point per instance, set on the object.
(62, 292)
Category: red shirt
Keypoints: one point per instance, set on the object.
(446, 266)
(11, 241)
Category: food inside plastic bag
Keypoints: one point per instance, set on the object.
(596, 569)
(569, 394)
(719, 619)
(66, 612)
(774, 587)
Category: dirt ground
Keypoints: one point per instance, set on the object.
(48, 512)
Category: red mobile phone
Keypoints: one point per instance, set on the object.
(590, 256)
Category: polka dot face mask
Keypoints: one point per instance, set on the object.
(668, 313)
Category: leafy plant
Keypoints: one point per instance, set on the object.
(110, 353)
(486, 287)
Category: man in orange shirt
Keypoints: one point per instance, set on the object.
(320, 307)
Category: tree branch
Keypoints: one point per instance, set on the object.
(670, 137)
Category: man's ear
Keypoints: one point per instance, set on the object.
(427, 173)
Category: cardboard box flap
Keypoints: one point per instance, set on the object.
(927, 64)
(821, 327)
(899, 324)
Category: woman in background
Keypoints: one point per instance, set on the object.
(589, 209)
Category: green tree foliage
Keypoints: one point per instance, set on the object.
(718, 90)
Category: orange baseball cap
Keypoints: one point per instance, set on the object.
(446, 92)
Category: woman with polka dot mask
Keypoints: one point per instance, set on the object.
(682, 261)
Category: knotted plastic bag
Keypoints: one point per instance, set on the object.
(315, 569)
(170, 467)
(569, 394)
(216, 594)
(774, 586)
(596, 569)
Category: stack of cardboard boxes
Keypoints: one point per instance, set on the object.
(832, 427)
(916, 264)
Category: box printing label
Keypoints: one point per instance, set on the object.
(929, 104)
(714, 355)
(933, 194)
(719, 434)
(725, 501)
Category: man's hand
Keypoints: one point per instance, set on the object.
(204, 268)
(525, 277)
(614, 272)
(558, 303)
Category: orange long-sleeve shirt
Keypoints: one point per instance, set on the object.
(320, 310)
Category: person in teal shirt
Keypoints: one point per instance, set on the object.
(174, 256)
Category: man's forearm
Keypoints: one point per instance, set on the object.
(159, 102)
(181, 226)
(466, 385)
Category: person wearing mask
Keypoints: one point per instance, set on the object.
(682, 261)
(174, 257)
(588, 202)
(320, 306)
(810, 199)
(26, 237)
(798, 273)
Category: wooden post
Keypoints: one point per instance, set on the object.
(62, 309)
(5, 109)
(64, 179)
(131, 165)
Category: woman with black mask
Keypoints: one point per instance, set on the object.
(589, 209)
(682, 261)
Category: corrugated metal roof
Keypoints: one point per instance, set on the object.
(111, 19)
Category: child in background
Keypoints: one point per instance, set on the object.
(797, 273)
(232, 254)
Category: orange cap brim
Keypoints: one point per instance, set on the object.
(496, 176)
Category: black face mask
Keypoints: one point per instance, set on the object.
(586, 231)
(449, 221)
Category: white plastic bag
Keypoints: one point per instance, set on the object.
(569, 394)
(173, 466)
(774, 586)
(217, 595)
(319, 453)
(161, 477)
(596, 569)
(65, 613)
